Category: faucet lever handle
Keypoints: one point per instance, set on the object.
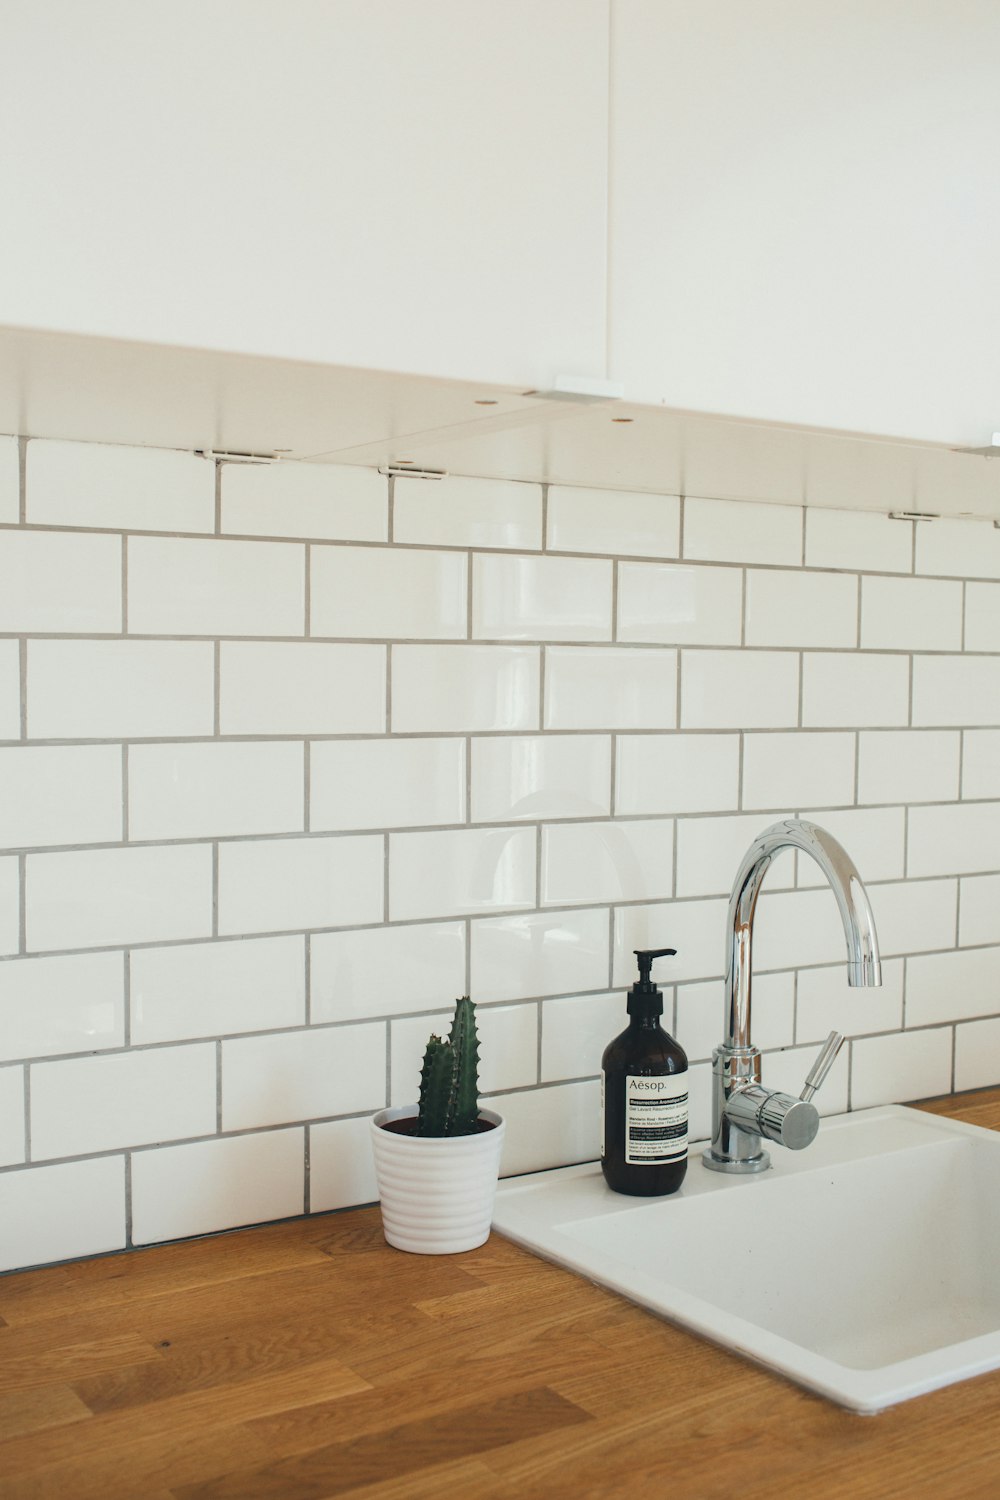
(822, 1065)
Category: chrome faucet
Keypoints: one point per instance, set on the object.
(742, 1110)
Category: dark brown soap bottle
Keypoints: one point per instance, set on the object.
(644, 1096)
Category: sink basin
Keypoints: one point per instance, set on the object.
(865, 1268)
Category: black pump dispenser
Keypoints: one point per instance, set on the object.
(644, 1099)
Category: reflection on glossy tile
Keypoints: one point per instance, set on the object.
(540, 598)
(100, 897)
(629, 861)
(575, 1032)
(669, 773)
(610, 688)
(72, 1003)
(911, 614)
(789, 771)
(464, 689)
(909, 765)
(12, 1143)
(465, 871)
(801, 609)
(394, 783)
(532, 953)
(613, 522)
(742, 532)
(550, 776)
(214, 989)
(302, 1075)
(686, 606)
(398, 968)
(380, 592)
(61, 1212)
(460, 512)
(179, 1191)
(739, 689)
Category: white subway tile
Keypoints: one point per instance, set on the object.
(467, 871)
(548, 953)
(801, 609)
(10, 904)
(540, 598)
(979, 911)
(550, 1127)
(699, 1026)
(909, 765)
(874, 839)
(98, 898)
(899, 1068)
(679, 605)
(10, 481)
(857, 540)
(178, 1191)
(389, 783)
(60, 795)
(610, 688)
(508, 1046)
(977, 1055)
(112, 689)
(787, 1071)
(460, 512)
(50, 1006)
(587, 862)
(710, 851)
(788, 771)
(120, 488)
(179, 791)
(961, 549)
(92, 1104)
(10, 690)
(213, 587)
(11, 1116)
(914, 915)
(981, 763)
(951, 987)
(330, 501)
(826, 1002)
(386, 970)
(739, 689)
(613, 522)
(302, 1075)
(60, 581)
(61, 1212)
(273, 885)
(795, 929)
(697, 929)
(846, 690)
(464, 689)
(575, 1032)
(388, 593)
(911, 614)
(341, 1165)
(673, 773)
(982, 616)
(541, 776)
(742, 532)
(955, 839)
(301, 687)
(956, 689)
(212, 989)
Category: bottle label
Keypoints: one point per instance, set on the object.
(656, 1119)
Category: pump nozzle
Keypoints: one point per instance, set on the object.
(644, 998)
(646, 956)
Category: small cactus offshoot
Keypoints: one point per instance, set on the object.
(449, 1078)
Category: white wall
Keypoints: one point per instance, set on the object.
(289, 761)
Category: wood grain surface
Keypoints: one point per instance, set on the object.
(307, 1359)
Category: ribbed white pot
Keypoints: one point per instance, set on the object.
(437, 1192)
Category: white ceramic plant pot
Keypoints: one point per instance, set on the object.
(437, 1192)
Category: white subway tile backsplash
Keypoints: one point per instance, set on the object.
(540, 598)
(178, 1191)
(911, 614)
(99, 898)
(981, 763)
(855, 539)
(551, 1127)
(742, 532)
(952, 987)
(464, 689)
(10, 481)
(10, 904)
(387, 970)
(68, 794)
(796, 929)
(697, 929)
(341, 1165)
(508, 1037)
(739, 689)
(982, 616)
(388, 783)
(466, 871)
(791, 771)
(215, 989)
(953, 839)
(675, 773)
(610, 688)
(277, 885)
(72, 1003)
(909, 765)
(958, 549)
(896, 1069)
(613, 522)
(458, 512)
(379, 592)
(575, 1032)
(826, 1002)
(840, 690)
(801, 609)
(178, 586)
(528, 954)
(913, 916)
(310, 687)
(118, 487)
(979, 911)
(331, 502)
(874, 837)
(710, 850)
(303, 1075)
(586, 862)
(12, 1139)
(680, 606)
(90, 1104)
(60, 582)
(184, 791)
(960, 690)
(540, 776)
(10, 690)
(60, 1212)
(977, 1055)
(119, 689)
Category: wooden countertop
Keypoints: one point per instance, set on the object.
(306, 1360)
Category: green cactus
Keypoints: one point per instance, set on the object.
(449, 1080)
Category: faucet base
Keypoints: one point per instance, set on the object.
(737, 1166)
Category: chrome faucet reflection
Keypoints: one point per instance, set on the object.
(743, 1112)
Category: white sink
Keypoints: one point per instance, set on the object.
(865, 1267)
